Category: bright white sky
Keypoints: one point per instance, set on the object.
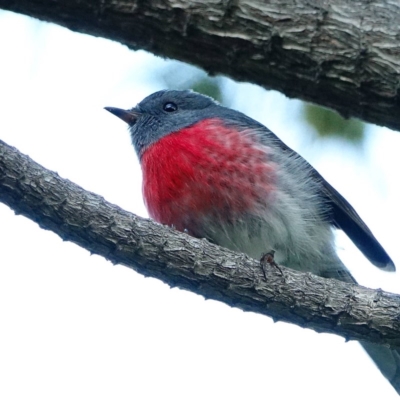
(73, 326)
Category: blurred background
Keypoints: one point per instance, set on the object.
(74, 326)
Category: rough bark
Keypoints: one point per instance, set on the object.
(154, 250)
(342, 54)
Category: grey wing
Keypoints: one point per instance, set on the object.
(340, 213)
(343, 216)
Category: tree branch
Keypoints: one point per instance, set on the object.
(342, 55)
(179, 260)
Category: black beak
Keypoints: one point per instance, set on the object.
(129, 116)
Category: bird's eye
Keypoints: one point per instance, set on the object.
(170, 107)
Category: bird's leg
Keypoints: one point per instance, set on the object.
(268, 258)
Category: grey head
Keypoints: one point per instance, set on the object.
(165, 112)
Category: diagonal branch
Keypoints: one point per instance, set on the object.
(154, 250)
(341, 54)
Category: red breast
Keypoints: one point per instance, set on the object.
(204, 170)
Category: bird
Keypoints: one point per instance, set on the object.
(216, 173)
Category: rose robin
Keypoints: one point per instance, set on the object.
(215, 173)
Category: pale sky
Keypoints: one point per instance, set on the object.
(73, 326)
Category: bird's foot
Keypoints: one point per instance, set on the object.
(268, 259)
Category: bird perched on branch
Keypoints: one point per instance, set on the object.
(215, 173)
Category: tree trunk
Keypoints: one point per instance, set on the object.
(86, 219)
(342, 54)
